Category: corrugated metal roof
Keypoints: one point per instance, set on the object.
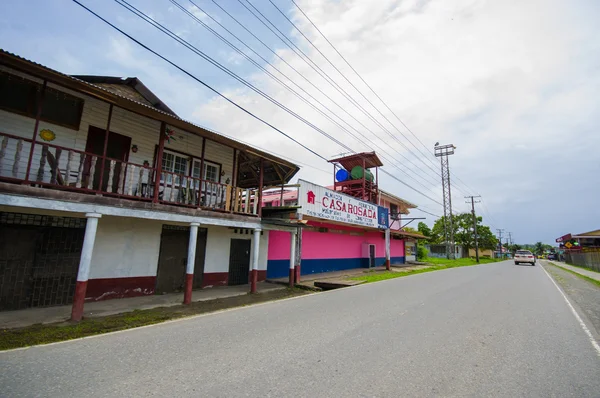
(102, 93)
(348, 162)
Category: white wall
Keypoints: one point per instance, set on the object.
(125, 247)
(218, 245)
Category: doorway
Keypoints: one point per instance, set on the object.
(172, 260)
(39, 259)
(117, 148)
(239, 262)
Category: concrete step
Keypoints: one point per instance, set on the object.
(329, 284)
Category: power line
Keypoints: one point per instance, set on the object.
(284, 84)
(352, 84)
(370, 88)
(285, 40)
(219, 94)
(198, 80)
(169, 33)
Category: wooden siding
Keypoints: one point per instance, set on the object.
(144, 133)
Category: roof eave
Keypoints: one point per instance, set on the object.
(40, 71)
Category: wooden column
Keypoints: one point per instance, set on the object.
(261, 177)
(233, 181)
(38, 115)
(234, 171)
(159, 157)
(106, 133)
(364, 178)
(202, 183)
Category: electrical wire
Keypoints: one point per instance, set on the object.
(290, 44)
(222, 95)
(239, 51)
(357, 90)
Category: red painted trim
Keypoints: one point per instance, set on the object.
(387, 264)
(109, 288)
(106, 133)
(292, 276)
(297, 269)
(38, 115)
(253, 281)
(189, 282)
(159, 159)
(261, 275)
(210, 279)
(260, 186)
(78, 301)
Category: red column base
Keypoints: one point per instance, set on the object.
(78, 301)
(292, 276)
(387, 264)
(297, 269)
(187, 295)
(253, 281)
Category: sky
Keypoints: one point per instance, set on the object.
(512, 84)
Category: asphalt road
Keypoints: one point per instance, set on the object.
(493, 330)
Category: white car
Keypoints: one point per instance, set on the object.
(524, 256)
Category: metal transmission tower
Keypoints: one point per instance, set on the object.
(442, 152)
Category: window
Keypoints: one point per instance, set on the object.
(20, 96)
(211, 171)
(175, 164)
(393, 210)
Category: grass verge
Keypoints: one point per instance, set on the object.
(51, 333)
(587, 278)
(435, 265)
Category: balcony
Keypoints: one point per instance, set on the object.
(49, 166)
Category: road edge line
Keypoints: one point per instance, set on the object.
(581, 323)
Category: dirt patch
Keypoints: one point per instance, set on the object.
(49, 333)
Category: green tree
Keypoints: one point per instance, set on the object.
(538, 248)
(424, 229)
(463, 232)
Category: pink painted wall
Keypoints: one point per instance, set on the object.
(320, 245)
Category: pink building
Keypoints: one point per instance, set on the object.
(330, 243)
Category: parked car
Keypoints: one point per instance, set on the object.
(552, 256)
(524, 256)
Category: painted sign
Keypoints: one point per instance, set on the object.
(320, 202)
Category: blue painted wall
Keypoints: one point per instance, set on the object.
(280, 268)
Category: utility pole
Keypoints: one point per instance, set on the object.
(442, 152)
(500, 231)
(473, 201)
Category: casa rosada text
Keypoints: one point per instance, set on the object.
(361, 210)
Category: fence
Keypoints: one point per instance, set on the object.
(588, 258)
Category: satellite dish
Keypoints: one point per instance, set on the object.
(436, 144)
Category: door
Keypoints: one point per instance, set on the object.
(17, 255)
(39, 259)
(172, 259)
(117, 148)
(371, 256)
(239, 261)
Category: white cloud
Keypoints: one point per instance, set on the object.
(501, 80)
